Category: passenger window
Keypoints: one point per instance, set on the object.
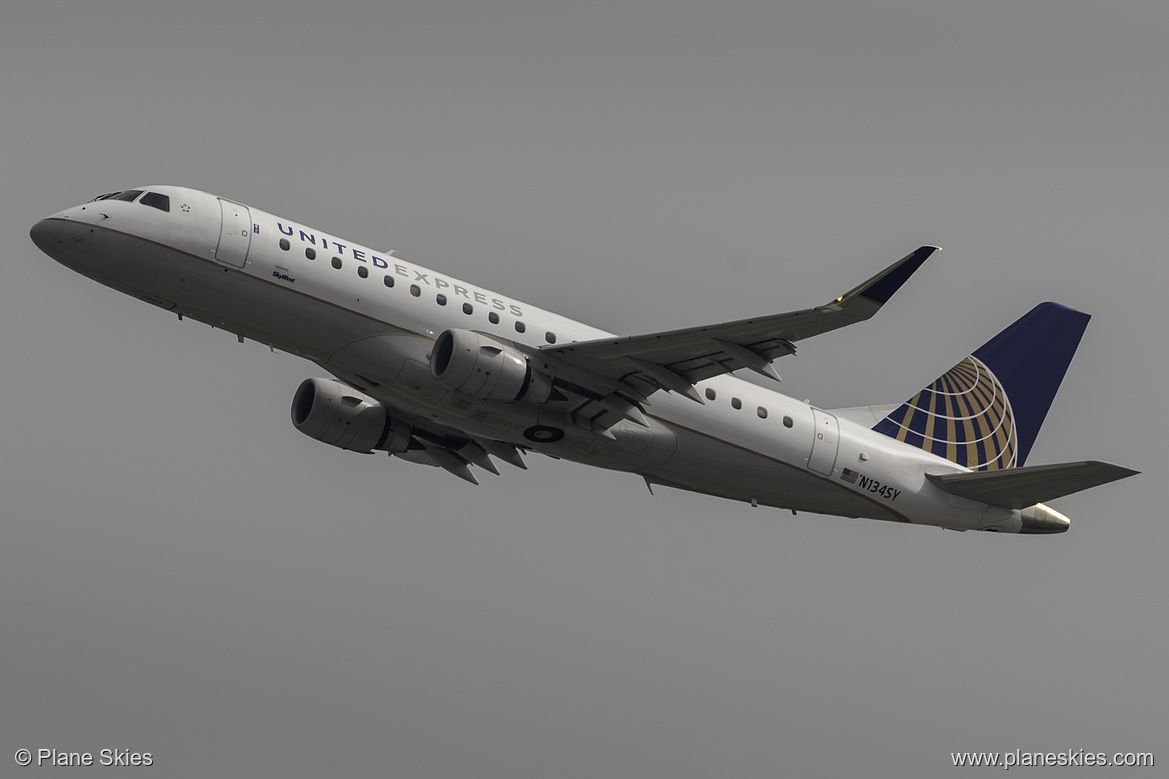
(363, 271)
(310, 252)
(336, 262)
(736, 403)
(389, 280)
(440, 299)
(284, 244)
(787, 421)
(415, 290)
(550, 337)
(468, 308)
(155, 200)
(128, 195)
(493, 318)
(762, 412)
(710, 395)
(520, 326)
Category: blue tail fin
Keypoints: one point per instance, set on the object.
(985, 412)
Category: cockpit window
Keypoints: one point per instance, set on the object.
(152, 199)
(155, 200)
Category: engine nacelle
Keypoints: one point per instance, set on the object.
(333, 412)
(485, 368)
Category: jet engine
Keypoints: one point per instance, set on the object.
(333, 412)
(487, 369)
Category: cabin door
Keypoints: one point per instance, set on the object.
(235, 234)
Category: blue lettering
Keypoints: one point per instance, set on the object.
(280, 225)
(359, 255)
(340, 247)
(308, 237)
(863, 482)
(378, 262)
(256, 229)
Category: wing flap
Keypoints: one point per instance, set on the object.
(1019, 488)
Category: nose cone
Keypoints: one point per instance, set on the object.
(51, 236)
(43, 234)
(1040, 519)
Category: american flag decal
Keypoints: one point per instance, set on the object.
(848, 476)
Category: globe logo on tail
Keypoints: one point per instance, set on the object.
(964, 416)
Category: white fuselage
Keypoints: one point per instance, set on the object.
(373, 320)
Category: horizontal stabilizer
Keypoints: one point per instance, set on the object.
(1018, 488)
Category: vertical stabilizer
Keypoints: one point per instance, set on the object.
(985, 412)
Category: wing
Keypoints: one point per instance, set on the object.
(674, 360)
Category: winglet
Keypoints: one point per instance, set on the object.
(881, 287)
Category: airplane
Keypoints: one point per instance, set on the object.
(442, 372)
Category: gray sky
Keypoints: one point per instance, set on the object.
(182, 573)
